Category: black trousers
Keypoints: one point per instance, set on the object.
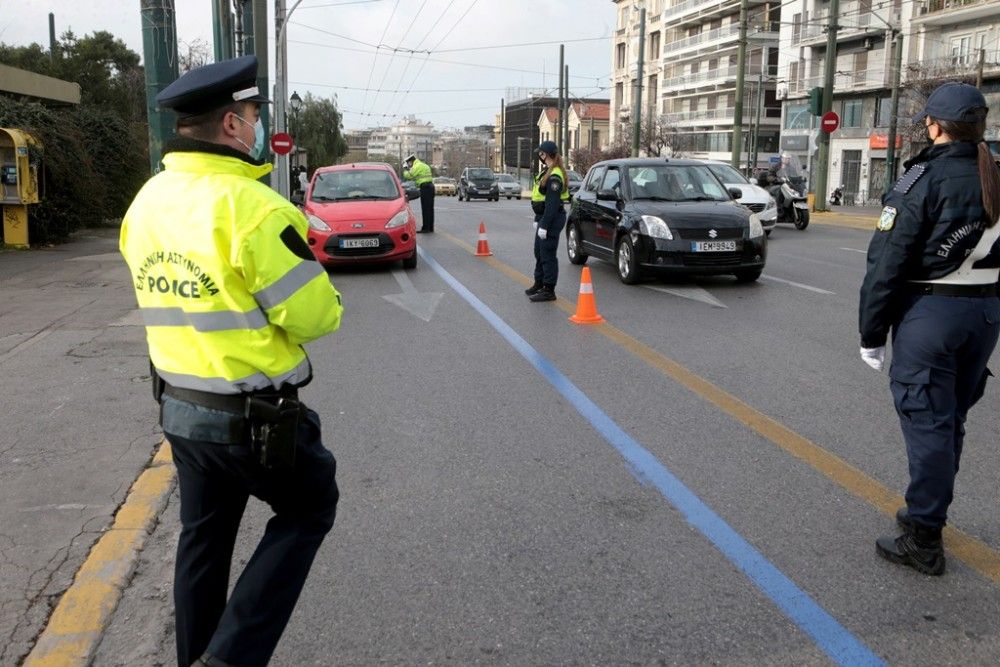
(546, 262)
(427, 207)
(215, 482)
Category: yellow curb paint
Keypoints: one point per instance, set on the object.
(866, 223)
(973, 552)
(84, 610)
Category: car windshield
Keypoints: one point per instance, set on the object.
(675, 183)
(506, 178)
(354, 184)
(727, 174)
(481, 174)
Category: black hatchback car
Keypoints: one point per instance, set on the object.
(663, 215)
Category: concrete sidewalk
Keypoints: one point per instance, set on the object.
(855, 217)
(79, 423)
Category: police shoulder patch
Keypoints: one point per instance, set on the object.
(555, 184)
(887, 220)
(904, 184)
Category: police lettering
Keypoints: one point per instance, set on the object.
(143, 279)
(956, 236)
(186, 289)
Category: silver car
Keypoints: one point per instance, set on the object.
(755, 198)
(508, 185)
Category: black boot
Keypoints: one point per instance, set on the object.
(918, 547)
(547, 293)
(533, 289)
(903, 519)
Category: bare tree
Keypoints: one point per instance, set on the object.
(193, 54)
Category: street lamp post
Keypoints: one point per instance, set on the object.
(520, 175)
(281, 91)
(295, 102)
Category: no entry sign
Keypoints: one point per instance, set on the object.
(281, 143)
(829, 122)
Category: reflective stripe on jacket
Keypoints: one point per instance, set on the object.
(224, 279)
(539, 196)
(419, 173)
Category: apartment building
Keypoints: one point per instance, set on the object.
(690, 72)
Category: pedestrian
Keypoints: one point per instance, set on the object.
(420, 173)
(229, 292)
(547, 199)
(933, 266)
(303, 179)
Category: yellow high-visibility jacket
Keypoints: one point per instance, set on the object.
(419, 173)
(226, 284)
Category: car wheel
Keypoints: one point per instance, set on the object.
(628, 263)
(767, 232)
(573, 248)
(411, 261)
(748, 275)
(519, 198)
(459, 195)
(802, 220)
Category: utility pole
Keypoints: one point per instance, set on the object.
(503, 136)
(559, 99)
(257, 17)
(756, 132)
(829, 67)
(239, 34)
(281, 172)
(53, 44)
(637, 102)
(565, 116)
(979, 68)
(159, 49)
(222, 30)
(741, 66)
(890, 147)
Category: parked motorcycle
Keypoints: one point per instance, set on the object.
(837, 198)
(790, 193)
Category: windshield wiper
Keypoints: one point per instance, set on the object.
(657, 198)
(702, 198)
(323, 198)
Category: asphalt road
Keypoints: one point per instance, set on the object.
(679, 486)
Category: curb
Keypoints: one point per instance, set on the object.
(866, 223)
(76, 627)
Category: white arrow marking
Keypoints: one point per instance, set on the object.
(419, 304)
(693, 293)
(799, 285)
(863, 252)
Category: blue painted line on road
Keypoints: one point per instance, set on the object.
(828, 634)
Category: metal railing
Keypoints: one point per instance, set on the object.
(714, 75)
(692, 6)
(953, 66)
(700, 114)
(702, 38)
(842, 81)
(943, 5)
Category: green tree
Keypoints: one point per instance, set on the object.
(318, 128)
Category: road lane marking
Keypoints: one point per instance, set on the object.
(418, 304)
(795, 284)
(863, 252)
(973, 552)
(828, 634)
(693, 293)
(75, 628)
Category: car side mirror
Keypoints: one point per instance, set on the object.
(735, 193)
(753, 180)
(607, 195)
(297, 199)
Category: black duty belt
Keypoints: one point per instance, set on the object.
(235, 403)
(944, 289)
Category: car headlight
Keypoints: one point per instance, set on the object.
(650, 225)
(317, 224)
(771, 204)
(397, 220)
(756, 229)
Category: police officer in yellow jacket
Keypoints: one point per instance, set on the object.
(229, 292)
(547, 199)
(420, 173)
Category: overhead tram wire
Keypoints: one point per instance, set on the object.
(375, 59)
(340, 4)
(440, 41)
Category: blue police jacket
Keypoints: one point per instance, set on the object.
(553, 217)
(931, 220)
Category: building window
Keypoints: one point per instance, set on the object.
(620, 57)
(651, 93)
(851, 117)
(883, 112)
(654, 46)
(797, 116)
(619, 93)
(961, 50)
(796, 28)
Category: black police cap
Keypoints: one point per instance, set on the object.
(212, 86)
(955, 101)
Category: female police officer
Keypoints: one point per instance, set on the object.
(933, 266)
(547, 200)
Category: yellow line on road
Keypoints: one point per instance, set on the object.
(975, 553)
(865, 222)
(75, 628)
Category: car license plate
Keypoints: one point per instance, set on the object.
(359, 243)
(713, 246)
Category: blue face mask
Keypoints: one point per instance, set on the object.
(257, 149)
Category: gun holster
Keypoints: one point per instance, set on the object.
(538, 207)
(274, 426)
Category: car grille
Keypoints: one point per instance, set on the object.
(333, 249)
(701, 233)
(756, 208)
(713, 259)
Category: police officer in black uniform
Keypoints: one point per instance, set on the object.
(933, 266)
(547, 200)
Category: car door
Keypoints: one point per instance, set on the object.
(606, 213)
(585, 205)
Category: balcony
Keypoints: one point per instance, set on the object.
(843, 82)
(953, 67)
(695, 12)
(701, 116)
(702, 40)
(946, 12)
(713, 77)
(859, 26)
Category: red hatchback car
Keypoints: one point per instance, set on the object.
(359, 213)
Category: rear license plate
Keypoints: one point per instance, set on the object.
(713, 246)
(358, 243)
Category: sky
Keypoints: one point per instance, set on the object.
(332, 49)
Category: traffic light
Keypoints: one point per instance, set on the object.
(816, 101)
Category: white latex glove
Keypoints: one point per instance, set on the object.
(542, 234)
(873, 356)
(536, 226)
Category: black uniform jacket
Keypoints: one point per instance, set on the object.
(931, 221)
(550, 219)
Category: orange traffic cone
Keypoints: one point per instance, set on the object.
(483, 247)
(586, 306)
